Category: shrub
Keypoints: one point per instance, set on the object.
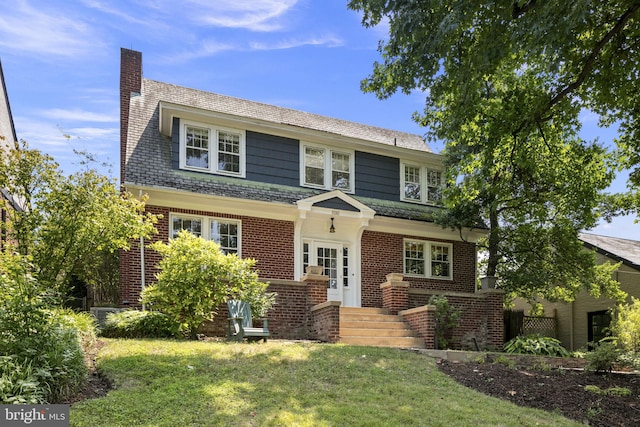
(41, 345)
(83, 323)
(196, 277)
(626, 326)
(612, 391)
(602, 358)
(504, 360)
(139, 324)
(18, 383)
(447, 318)
(537, 345)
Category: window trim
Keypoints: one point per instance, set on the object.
(328, 153)
(206, 226)
(427, 250)
(214, 132)
(424, 182)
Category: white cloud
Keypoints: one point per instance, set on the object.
(94, 133)
(255, 15)
(61, 143)
(108, 9)
(205, 49)
(79, 115)
(328, 41)
(47, 32)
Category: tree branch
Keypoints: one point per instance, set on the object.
(518, 11)
(589, 62)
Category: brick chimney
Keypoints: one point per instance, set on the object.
(130, 82)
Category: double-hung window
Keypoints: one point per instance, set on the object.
(223, 231)
(212, 149)
(327, 168)
(421, 184)
(428, 259)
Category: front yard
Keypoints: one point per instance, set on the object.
(190, 383)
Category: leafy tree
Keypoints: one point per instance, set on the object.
(67, 220)
(504, 84)
(586, 54)
(196, 277)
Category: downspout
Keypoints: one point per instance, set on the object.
(142, 272)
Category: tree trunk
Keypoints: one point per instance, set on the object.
(494, 240)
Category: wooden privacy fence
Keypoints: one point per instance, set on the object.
(516, 323)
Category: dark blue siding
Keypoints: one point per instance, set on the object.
(273, 159)
(175, 143)
(336, 203)
(377, 176)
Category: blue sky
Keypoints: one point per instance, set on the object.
(61, 65)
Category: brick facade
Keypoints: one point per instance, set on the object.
(382, 253)
(294, 317)
(270, 242)
(482, 316)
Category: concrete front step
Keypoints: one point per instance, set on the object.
(399, 342)
(363, 310)
(371, 324)
(375, 327)
(368, 332)
(366, 317)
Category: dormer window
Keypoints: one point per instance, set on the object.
(326, 168)
(212, 149)
(421, 184)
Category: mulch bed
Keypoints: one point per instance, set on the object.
(558, 390)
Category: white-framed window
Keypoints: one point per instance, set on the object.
(223, 231)
(428, 259)
(212, 149)
(327, 168)
(421, 184)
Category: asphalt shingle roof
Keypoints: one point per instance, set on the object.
(149, 163)
(625, 250)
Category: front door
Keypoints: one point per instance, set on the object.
(334, 259)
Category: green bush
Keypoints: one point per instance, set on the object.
(42, 346)
(196, 277)
(537, 345)
(84, 324)
(612, 391)
(18, 383)
(626, 326)
(603, 357)
(447, 318)
(140, 324)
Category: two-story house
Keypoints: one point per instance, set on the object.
(295, 191)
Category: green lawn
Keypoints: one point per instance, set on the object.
(183, 383)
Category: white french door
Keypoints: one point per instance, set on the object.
(335, 262)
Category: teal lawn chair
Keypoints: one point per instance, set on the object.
(241, 325)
